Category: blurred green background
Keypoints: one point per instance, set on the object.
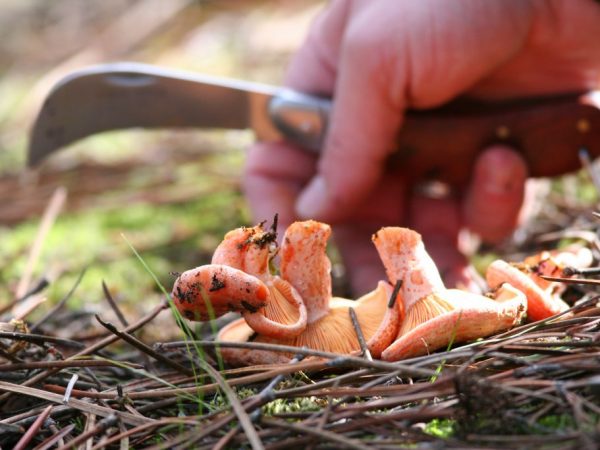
(171, 193)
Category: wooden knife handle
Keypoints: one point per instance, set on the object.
(443, 143)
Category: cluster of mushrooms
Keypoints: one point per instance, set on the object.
(411, 313)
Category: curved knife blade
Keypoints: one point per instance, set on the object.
(126, 95)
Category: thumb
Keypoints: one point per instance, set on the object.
(495, 196)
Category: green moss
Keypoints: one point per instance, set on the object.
(301, 404)
(172, 237)
(441, 428)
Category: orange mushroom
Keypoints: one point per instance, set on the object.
(305, 265)
(436, 316)
(239, 280)
(543, 296)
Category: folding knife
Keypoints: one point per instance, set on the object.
(548, 131)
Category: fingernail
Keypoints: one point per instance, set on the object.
(313, 201)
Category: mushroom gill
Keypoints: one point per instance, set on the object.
(436, 316)
(304, 263)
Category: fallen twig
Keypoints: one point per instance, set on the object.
(33, 429)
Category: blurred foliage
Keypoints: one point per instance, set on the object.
(173, 194)
(168, 236)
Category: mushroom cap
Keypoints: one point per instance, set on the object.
(378, 309)
(404, 257)
(305, 264)
(230, 250)
(541, 303)
(552, 263)
(212, 290)
(549, 262)
(270, 305)
(435, 316)
(247, 249)
(473, 317)
(239, 331)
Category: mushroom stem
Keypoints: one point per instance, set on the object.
(212, 290)
(247, 249)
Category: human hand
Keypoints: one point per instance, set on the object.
(381, 57)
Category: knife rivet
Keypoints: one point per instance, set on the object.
(502, 132)
(583, 125)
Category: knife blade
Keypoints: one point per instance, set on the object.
(433, 144)
(126, 95)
